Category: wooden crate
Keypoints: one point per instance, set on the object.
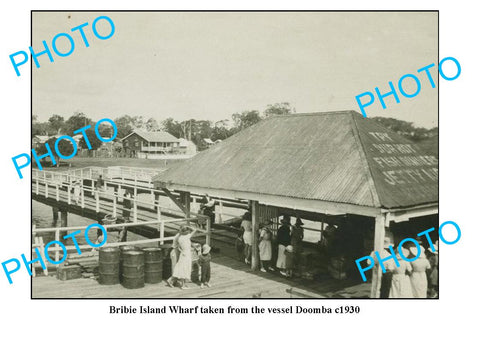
(69, 272)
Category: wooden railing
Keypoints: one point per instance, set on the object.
(125, 177)
(57, 249)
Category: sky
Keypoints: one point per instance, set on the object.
(211, 65)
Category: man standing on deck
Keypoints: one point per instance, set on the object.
(207, 207)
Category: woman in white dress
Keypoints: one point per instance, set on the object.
(283, 241)
(419, 276)
(183, 268)
(246, 225)
(401, 286)
(265, 249)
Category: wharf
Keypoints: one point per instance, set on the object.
(230, 279)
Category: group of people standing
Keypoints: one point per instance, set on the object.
(288, 240)
(181, 256)
(410, 279)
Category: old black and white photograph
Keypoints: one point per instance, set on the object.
(235, 154)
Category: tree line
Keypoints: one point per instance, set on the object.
(197, 130)
(191, 129)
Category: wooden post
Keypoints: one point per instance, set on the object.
(63, 220)
(69, 196)
(135, 214)
(162, 231)
(57, 193)
(220, 212)
(57, 238)
(97, 201)
(378, 246)
(83, 196)
(37, 186)
(209, 228)
(185, 199)
(255, 220)
(55, 214)
(115, 199)
(46, 190)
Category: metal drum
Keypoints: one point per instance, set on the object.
(153, 265)
(109, 266)
(123, 249)
(133, 275)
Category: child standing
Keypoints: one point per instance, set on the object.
(204, 261)
(289, 258)
(265, 249)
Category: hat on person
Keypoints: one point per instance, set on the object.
(436, 247)
(206, 249)
(289, 248)
(387, 242)
(184, 230)
(298, 221)
(247, 216)
(413, 248)
(285, 219)
(414, 251)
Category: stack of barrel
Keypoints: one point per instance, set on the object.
(130, 266)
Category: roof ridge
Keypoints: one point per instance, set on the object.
(363, 159)
(316, 113)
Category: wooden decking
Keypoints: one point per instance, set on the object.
(230, 279)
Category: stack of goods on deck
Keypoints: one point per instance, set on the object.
(337, 268)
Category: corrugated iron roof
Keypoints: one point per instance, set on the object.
(154, 136)
(334, 156)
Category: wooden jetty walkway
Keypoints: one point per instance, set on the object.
(230, 279)
(155, 222)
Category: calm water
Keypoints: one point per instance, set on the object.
(43, 218)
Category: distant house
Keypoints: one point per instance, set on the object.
(144, 144)
(39, 140)
(208, 141)
(186, 147)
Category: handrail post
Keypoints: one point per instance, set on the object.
(69, 196)
(57, 193)
(97, 201)
(220, 212)
(162, 231)
(83, 196)
(207, 237)
(135, 215)
(57, 238)
(37, 186)
(115, 198)
(46, 189)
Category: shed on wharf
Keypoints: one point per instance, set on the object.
(328, 166)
